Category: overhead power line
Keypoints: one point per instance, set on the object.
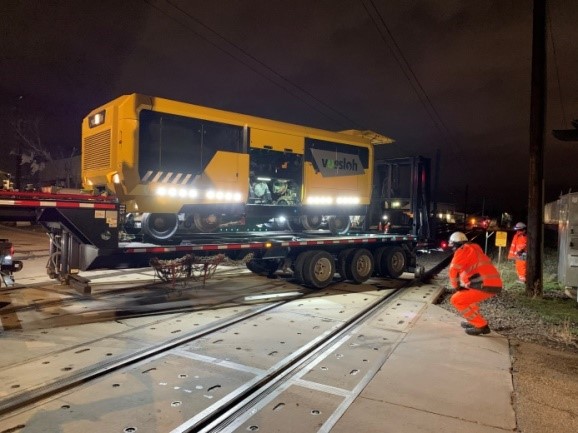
(233, 50)
(556, 67)
(390, 41)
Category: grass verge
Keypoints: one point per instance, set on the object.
(554, 307)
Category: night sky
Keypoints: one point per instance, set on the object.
(447, 76)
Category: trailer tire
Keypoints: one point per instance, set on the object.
(342, 267)
(263, 267)
(339, 225)
(159, 226)
(298, 265)
(392, 262)
(360, 265)
(319, 270)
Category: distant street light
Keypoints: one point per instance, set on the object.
(567, 134)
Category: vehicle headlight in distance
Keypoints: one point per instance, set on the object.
(96, 119)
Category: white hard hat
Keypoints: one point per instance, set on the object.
(520, 226)
(457, 238)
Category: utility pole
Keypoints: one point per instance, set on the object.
(536, 172)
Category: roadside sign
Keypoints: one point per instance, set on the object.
(501, 239)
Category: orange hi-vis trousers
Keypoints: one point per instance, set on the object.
(466, 302)
(521, 269)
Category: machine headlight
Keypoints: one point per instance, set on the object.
(96, 119)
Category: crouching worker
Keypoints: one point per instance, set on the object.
(475, 279)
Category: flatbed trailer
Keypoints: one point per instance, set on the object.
(86, 233)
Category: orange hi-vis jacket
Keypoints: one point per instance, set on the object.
(474, 270)
(519, 245)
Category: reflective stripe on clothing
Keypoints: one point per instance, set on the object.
(521, 269)
(466, 302)
(518, 246)
(473, 269)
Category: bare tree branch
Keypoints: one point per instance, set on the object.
(28, 135)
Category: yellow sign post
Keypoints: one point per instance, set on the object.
(501, 241)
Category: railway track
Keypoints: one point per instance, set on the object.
(147, 289)
(60, 381)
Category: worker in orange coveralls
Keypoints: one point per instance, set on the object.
(518, 251)
(475, 279)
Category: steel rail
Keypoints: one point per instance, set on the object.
(47, 390)
(219, 418)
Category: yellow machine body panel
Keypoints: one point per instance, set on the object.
(160, 155)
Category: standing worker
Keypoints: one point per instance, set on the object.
(518, 251)
(475, 279)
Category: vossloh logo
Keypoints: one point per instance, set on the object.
(336, 163)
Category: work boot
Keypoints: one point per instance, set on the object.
(478, 331)
(466, 325)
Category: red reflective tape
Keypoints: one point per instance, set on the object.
(155, 250)
(328, 242)
(211, 247)
(62, 204)
(234, 246)
(206, 247)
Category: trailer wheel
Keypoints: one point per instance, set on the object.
(298, 265)
(159, 226)
(342, 267)
(263, 267)
(360, 265)
(206, 223)
(318, 271)
(339, 225)
(392, 262)
(311, 222)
